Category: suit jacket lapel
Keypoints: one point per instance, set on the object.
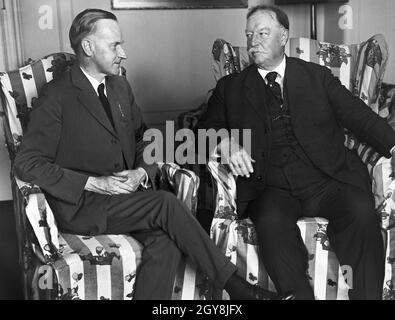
(89, 99)
(255, 93)
(121, 122)
(116, 110)
(296, 87)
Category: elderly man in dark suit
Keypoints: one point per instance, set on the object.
(299, 165)
(84, 147)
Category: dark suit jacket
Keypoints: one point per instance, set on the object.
(70, 138)
(320, 108)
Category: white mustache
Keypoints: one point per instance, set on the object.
(255, 50)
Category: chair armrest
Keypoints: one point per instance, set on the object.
(225, 187)
(27, 188)
(383, 188)
(41, 219)
(184, 183)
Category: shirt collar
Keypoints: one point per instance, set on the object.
(95, 84)
(280, 69)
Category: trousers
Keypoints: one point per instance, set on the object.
(166, 229)
(297, 189)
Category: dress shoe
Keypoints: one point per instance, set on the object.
(262, 294)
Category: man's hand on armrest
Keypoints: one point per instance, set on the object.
(239, 161)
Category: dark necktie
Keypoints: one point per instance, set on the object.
(274, 86)
(104, 102)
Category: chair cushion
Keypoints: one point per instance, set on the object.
(101, 267)
(104, 268)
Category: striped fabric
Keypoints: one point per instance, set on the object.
(237, 239)
(184, 183)
(383, 190)
(383, 187)
(100, 267)
(21, 87)
(389, 280)
(339, 58)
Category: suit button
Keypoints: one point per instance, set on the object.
(262, 154)
(117, 166)
(259, 177)
(113, 141)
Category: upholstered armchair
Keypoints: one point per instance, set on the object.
(56, 265)
(360, 68)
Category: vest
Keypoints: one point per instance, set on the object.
(289, 166)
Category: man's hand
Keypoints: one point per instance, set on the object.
(108, 185)
(133, 177)
(239, 161)
(124, 182)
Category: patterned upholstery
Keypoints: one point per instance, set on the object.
(57, 265)
(361, 69)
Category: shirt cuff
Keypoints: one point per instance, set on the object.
(145, 182)
(392, 149)
(215, 153)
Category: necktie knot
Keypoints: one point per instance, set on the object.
(100, 89)
(271, 78)
(274, 86)
(104, 101)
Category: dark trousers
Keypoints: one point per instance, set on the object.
(166, 229)
(298, 190)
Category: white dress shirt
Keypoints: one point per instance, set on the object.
(280, 69)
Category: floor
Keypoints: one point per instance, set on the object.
(10, 284)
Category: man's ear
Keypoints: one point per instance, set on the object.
(87, 47)
(284, 37)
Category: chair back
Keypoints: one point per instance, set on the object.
(19, 90)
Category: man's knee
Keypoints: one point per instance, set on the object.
(358, 209)
(360, 206)
(166, 196)
(273, 225)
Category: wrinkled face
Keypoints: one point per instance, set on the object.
(266, 39)
(106, 46)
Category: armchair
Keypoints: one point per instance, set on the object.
(360, 68)
(56, 265)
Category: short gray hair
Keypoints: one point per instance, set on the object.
(281, 16)
(84, 24)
